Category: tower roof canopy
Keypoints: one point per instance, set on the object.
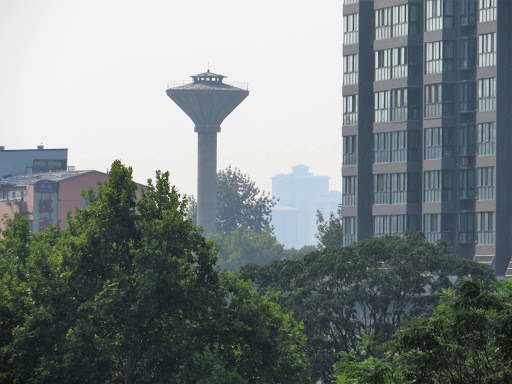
(207, 77)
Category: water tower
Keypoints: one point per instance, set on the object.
(207, 100)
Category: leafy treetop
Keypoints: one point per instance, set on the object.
(371, 287)
(130, 293)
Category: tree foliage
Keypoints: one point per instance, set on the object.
(243, 246)
(371, 287)
(330, 233)
(240, 203)
(130, 293)
(467, 340)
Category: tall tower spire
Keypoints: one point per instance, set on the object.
(207, 100)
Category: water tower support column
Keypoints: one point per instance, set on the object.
(207, 180)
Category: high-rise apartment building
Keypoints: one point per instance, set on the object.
(427, 123)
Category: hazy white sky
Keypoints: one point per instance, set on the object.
(91, 75)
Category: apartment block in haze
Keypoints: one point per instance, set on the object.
(427, 123)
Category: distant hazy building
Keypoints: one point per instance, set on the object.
(300, 195)
(28, 161)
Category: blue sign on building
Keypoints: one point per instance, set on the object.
(47, 186)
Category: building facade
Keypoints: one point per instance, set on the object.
(28, 161)
(426, 115)
(45, 198)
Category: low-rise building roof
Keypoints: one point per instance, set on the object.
(23, 180)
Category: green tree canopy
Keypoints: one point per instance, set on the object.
(330, 233)
(371, 287)
(467, 340)
(130, 293)
(243, 246)
(240, 203)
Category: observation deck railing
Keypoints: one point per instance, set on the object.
(176, 84)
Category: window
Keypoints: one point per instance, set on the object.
(44, 165)
(467, 53)
(381, 147)
(433, 143)
(395, 146)
(466, 227)
(438, 186)
(438, 100)
(466, 184)
(400, 20)
(349, 191)
(399, 104)
(432, 186)
(467, 12)
(467, 96)
(439, 56)
(396, 105)
(351, 29)
(485, 227)
(432, 227)
(350, 110)
(400, 224)
(391, 63)
(487, 94)
(382, 23)
(383, 65)
(486, 138)
(350, 69)
(350, 1)
(486, 10)
(438, 143)
(485, 183)
(398, 146)
(447, 185)
(381, 226)
(438, 14)
(382, 106)
(466, 140)
(381, 189)
(398, 188)
(349, 230)
(394, 225)
(487, 50)
(399, 63)
(349, 150)
(433, 57)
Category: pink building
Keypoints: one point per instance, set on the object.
(45, 198)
